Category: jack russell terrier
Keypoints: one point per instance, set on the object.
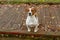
(32, 19)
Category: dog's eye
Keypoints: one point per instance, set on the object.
(27, 10)
(32, 10)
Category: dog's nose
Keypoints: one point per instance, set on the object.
(29, 14)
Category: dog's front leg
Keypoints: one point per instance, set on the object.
(28, 28)
(36, 28)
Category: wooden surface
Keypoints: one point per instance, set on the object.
(12, 19)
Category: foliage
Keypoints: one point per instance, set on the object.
(28, 1)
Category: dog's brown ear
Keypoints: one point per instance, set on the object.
(26, 10)
(34, 10)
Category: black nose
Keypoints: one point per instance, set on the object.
(29, 14)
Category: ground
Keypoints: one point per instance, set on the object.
(12, 18)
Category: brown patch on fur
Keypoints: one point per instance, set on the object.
(33, 11)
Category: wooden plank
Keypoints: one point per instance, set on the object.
(49, 19)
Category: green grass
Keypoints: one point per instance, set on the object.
(33, 1)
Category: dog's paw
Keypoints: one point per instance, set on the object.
(36, 30)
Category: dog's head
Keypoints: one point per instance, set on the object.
(31, 11)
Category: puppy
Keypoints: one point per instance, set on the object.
(32, 19)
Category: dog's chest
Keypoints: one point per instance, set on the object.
(31, 20)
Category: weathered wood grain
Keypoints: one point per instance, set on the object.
(12, 18)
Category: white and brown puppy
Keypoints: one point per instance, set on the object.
(32, 19)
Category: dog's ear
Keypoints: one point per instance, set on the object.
(26, 9)
(34, 10)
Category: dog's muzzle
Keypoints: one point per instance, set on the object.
(30, 14)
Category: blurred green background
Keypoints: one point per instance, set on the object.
(29, 1)
(36, 0)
